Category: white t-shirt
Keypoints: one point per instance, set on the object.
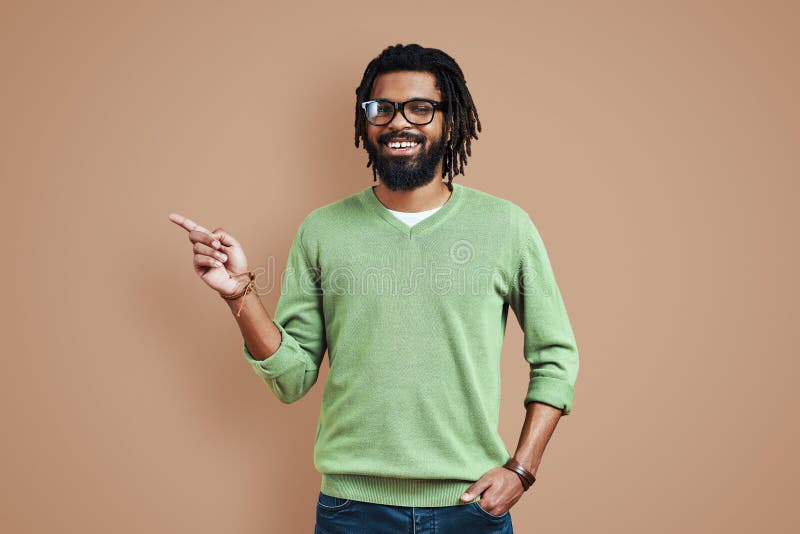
(412, 218)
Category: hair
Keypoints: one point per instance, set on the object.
(461, 121)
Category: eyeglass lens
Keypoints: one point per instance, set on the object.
(415, 112)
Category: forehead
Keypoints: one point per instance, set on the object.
(404, 85)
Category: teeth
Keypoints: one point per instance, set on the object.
(403, 144)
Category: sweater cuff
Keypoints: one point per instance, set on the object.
(279, 362)
(552, 391)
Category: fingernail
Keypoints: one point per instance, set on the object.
(466, 496)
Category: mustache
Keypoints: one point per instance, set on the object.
(400, 136)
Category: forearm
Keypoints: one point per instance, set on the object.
(258, 331)
(540, 423)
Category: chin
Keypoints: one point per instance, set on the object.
(406, 172)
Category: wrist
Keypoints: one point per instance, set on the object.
(245, 279)
(238, 295)
(527, 460)
(526, 477)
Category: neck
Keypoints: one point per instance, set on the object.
(426, 197)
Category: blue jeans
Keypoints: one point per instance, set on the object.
(336, 515)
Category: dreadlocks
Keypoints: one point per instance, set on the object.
(460, 115)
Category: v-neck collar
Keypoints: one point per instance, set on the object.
(371, 202)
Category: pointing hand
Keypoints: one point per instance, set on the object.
(217, 256)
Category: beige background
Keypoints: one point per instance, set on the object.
(655, 145)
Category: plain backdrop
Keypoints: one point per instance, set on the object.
(654, 144)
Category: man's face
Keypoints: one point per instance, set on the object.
(406, 168)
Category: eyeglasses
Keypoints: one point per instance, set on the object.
(419, 111)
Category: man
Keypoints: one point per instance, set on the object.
(407, 285)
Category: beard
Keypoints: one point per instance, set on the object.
(404, 173)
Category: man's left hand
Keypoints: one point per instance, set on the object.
(500, 489)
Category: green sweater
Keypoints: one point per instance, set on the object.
(413, 319)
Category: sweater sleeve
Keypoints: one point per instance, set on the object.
(294, 367)
(549, 343)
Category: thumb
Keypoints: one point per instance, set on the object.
(224, 237)
(475, 489)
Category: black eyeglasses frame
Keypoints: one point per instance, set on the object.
(402, 107)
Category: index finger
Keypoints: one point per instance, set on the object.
(186, 223)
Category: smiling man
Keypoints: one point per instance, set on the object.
(407, 285)
(404, 131)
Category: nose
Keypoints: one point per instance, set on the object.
(399, 121)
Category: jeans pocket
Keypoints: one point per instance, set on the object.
(331, 503)
(479, 508)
